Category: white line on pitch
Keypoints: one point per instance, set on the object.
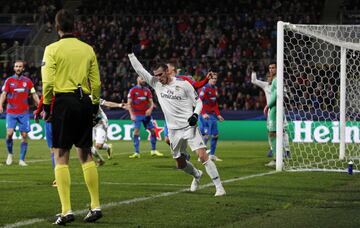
(135, 200)
(102, 183)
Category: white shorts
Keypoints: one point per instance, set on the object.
(180, 138)
(99, 135)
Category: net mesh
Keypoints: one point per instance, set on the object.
(312, 95)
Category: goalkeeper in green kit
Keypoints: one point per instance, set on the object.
(271, 106)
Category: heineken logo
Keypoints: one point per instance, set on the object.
(323, 132)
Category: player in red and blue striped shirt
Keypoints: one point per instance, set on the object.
(16, 91)
(210, 114)
(140, 105)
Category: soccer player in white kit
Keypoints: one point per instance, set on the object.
(266, 87)
(100, 132)
(177, 99)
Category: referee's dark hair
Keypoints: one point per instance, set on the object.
(64, 21)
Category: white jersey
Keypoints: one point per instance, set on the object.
(177, 99)
(265, 86)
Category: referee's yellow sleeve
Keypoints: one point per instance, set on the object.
(94, 79)
(48, 71)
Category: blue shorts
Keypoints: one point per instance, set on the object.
(22, 119)
(48, 134)
(209, 126)
(166, 130)
(146, 120)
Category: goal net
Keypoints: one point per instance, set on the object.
(318, 67)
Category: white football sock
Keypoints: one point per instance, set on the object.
(213, 172)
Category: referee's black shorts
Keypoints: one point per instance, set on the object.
(72, 121)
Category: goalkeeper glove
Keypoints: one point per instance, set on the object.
(193, 119)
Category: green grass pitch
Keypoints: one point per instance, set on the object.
(151, 192)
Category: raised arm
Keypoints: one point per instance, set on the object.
(257, 82)
(199, 84)
(140, 70)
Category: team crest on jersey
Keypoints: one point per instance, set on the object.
(177, 88)
(136, 93)
(24, 84)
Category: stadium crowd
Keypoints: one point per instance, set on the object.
(40, 9)
(231, 38)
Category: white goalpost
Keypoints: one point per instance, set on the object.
(318, 93)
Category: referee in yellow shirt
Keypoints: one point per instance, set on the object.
(70, 72)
